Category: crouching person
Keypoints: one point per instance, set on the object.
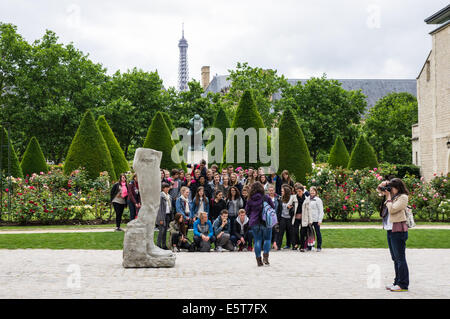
(241, 231)
(203, 233)
(177, 234)
(222, 231)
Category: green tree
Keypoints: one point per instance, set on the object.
(294, 154)
(133, 98)
(389, 127)
(263, 83)
(182, 106)
(158, 138)
(89, 150)
(33, 161)
(338, 155)
(246, 117)
(46, 87)
(9, 164)
(118, 158)
(363, 155)
(324, 110)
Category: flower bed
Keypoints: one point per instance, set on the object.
(53, 197)
(349, 194)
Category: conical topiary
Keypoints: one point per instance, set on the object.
(158, 138)
(16, 170)
(171, 127)
(294, 154)
(33, 160)
(89, 150)
(246, 116)
(221, 122)
(117, 156)
(363, 156)
(338, 155)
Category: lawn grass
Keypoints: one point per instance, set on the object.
(332, 238)
(113, 225)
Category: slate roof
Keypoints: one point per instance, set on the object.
(374, 89)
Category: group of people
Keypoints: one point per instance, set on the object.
(225, 208)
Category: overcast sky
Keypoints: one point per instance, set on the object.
(300, 39)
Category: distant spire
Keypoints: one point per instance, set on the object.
(183, 72)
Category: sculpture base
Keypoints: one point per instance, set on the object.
(196, 156)
(136, 253)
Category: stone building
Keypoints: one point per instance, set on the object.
(431, 135)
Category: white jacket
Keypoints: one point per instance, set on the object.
(316, 208)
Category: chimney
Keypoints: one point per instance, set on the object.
(205, 77)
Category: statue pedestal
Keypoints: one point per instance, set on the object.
(196, 156)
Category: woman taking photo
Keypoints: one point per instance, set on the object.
(261, 234)
(394, 222)
(119, 195)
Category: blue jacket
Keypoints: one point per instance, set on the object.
(218, 226)
(194, 208)
(179, 207)
(197, 233)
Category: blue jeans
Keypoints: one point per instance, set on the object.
(262, 236)
(397, 247)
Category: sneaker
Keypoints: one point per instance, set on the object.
(219, 249)
(302, 250)
(286, 247)
(319, 249)
(118, 229)
(250, 248)
(389, 287)
(397, 288)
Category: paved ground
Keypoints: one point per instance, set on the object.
(332, 273)
(100, 230)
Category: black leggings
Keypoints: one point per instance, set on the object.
(118, 208)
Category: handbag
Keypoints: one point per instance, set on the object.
(409, 217)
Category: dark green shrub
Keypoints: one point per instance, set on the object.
(33, 160)
(410, 169)
(16, 170)
(363, 155)
(89, 150)
(294, 153)
(117, 156)
(247, 116)
(158, 138)
(338, 155)
(221, 122)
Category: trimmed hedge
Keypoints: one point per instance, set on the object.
(339, 156)
(158, 138)
(222, 123)
(89, 150)
(246, 116)
(16, 170)
(363, 155)
(294, 154)
(33, 160)
(117, 156)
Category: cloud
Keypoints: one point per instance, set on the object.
(345, 39)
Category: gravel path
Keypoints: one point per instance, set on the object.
(332, 273)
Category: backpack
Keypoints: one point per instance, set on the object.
(269, 215)
(409, 217)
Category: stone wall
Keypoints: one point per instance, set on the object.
(433, 95)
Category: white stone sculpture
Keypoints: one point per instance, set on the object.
(139, 249)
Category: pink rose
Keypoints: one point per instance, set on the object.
(344, 207)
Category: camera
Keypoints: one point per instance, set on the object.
(386, 188)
